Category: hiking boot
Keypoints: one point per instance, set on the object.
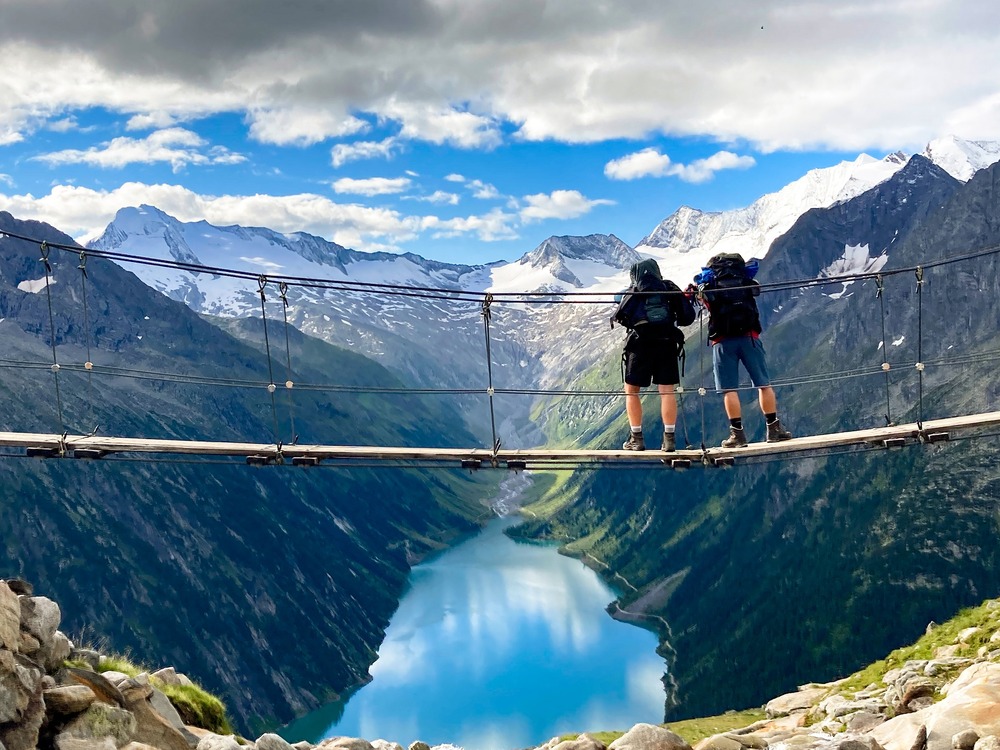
(634, 442)
(775, 433)
(737, 438)
(669, 442)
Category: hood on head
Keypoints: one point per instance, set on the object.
(644, 268)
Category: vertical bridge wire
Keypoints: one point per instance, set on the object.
(271, 388)
(487, 314)
(89, 364)
(52, 333)
(289, 383)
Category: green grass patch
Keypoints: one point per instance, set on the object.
(196, 705)
(985, 617)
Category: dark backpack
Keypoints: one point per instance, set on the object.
(730, 297)
(647, 310)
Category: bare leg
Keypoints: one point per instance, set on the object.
(768, 402)
(668, 404)
(633, 405)
(731, 399)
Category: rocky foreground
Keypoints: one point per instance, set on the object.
(52, 697)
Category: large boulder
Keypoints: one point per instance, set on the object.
(40, 617)
(23, 733)
(10, 619)
(649, 737)
(99, 722)
(800, 700)
(972, 701)
(273, 742)
(68, 699)
(151, 728)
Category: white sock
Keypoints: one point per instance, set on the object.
(668, 427)
(636, 427)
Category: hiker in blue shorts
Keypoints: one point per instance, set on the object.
(727, 288)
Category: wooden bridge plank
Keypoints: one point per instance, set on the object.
(533, 457)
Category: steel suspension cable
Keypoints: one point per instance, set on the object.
(487, 314)
(289, 383)
(52, 333)
(920, 347)
(702, 390)
(89, 364)
(271, 387)
(880, 293)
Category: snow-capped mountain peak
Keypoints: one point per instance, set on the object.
(961, 158)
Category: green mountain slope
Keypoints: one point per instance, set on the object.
(771, 574)
(276, 583)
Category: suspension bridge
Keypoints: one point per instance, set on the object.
(94, 446)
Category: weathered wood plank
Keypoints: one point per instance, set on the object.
(532, 458)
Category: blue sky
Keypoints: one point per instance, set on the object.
(467, 130)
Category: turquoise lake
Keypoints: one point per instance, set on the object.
(499, 645)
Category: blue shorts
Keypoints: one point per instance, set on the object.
(726, 357)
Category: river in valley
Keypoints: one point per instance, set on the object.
(499, 645)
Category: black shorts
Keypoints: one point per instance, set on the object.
(654, 362)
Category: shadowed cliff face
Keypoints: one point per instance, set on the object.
(272, 585)
(807, 568)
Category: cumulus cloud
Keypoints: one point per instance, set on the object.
(438, 196)
(491, 227)
(651, 163)
(343, 153)
(559, 204)
(372, 185)
(454, 177)
(84, 213)
(483, 190)
(302, 125)
(466, 73)
(176, 146)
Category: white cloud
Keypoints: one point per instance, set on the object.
(453, 177)
(372, 185)
(438, 196)
(343, 153)
(6, 179)
(176, 146)
(560, 204)
(302, 125)
(483, 190)
(63, 125)
(651, 163)
(464, 73)
(491, 227)
(84, 213)
(151, 121)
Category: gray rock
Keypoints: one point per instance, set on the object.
(649, 737)
(151, 728)
(583, 742)
(303, 745)
(29, 644)
(382, 745)
(23, 734)
(858, 743)
(68, 699)
(273, 742)
(167, 675)
(87, 655)
(864, 721)
(992, 742)
(418, 745)
(965, 740)
(346, 743)
(99, 721)
(718, 742)
(115, 678)
(20, 680)
(218, 742)
(162, 705)
(77, 743)
(57, 651)
(10, 619)
(40, 617)
(800, 700)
